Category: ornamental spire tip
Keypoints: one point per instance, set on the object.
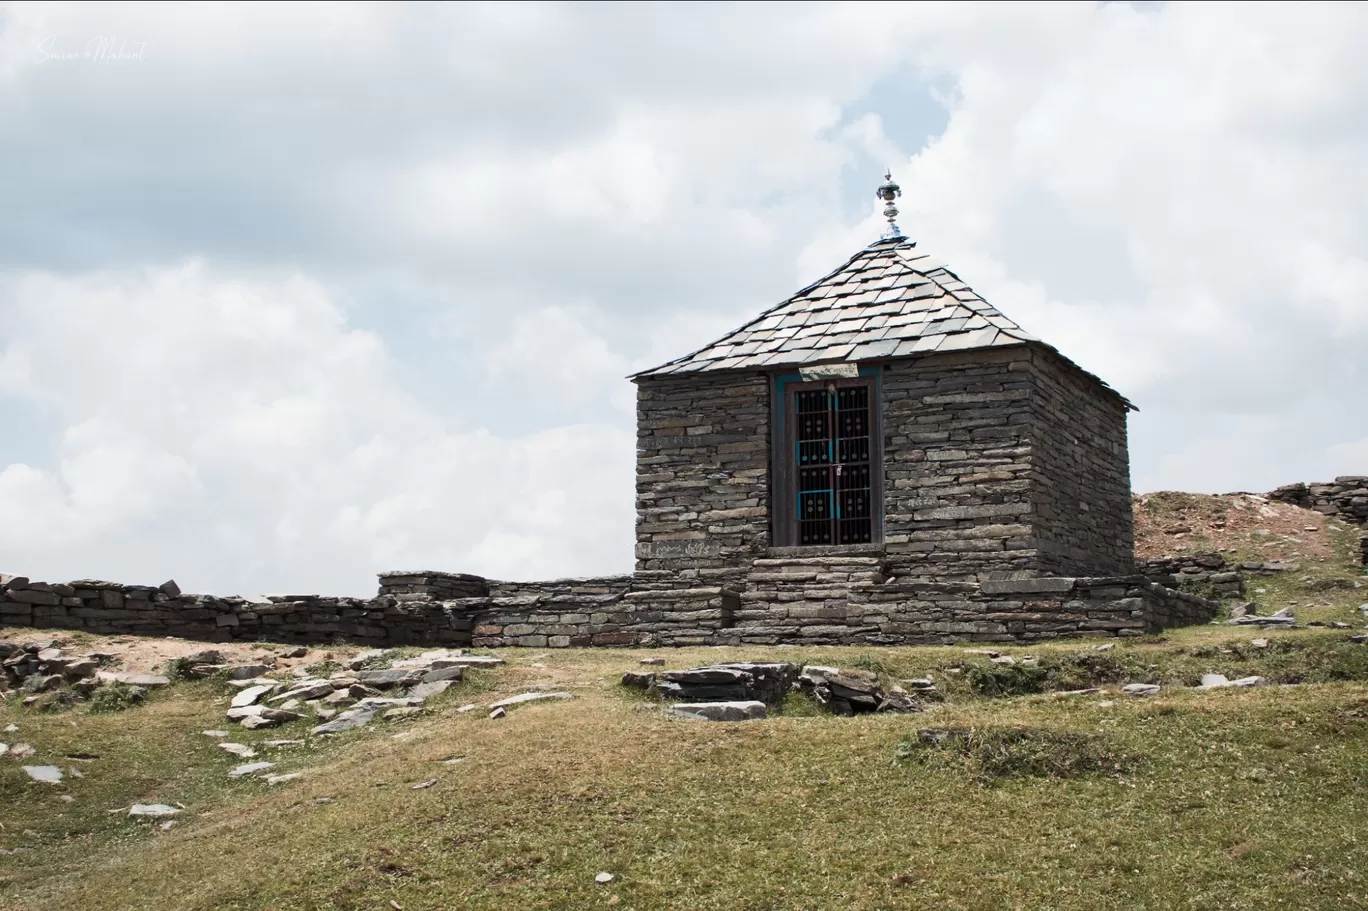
(888, 192)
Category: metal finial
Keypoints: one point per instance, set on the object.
(888, 192)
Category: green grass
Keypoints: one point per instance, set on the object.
(1225, 799)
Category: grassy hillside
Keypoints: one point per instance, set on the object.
(1222, 799)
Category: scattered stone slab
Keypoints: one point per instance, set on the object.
(250, 696)
(742, 710)
(384, 680)
(1259, 643)
(1213, 681)
(1003, 659)
(653, 662)
(346, 721)
(445, 674)
(241, 750)
(151, 810)
(132, 679)
(297, 652)
(423, 785)
(402, 712)
(313, 689)
(281, 779)
(638, 680)
(603, 878)
(282, 744)
(22, 751)
(269, 719)
(250, 768)
(1140, 689)
(428, 690)
(47, 774)
(529, 697)
(1250, 681)
(247, 671)
(497, 714)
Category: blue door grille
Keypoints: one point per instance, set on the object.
(832, 455)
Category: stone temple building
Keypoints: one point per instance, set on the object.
(887, 410)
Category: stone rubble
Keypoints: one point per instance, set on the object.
(152, 810)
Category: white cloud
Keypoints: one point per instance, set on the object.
(249, 408)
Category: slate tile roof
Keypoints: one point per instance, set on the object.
(890, 300)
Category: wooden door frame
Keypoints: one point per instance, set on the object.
(783, 473)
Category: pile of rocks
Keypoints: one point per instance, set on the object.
(346, 699)
(766, 682)
(1247, 615)
(744, 690)
(855, 692)
(43, 672)
(1345, 497)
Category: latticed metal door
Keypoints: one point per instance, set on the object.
(833, 461)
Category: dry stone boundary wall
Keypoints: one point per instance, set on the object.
(813, 600)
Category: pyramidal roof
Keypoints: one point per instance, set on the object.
(890, 300)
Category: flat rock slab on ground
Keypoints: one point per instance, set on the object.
(452, 674)
(383, 680)
(348, 720)
(250, 695)
(250, 768)
(528, 697)
(719, 711)
(132, 679)
(1141, 689)
(152, 810)
(48, 774)
(431, 688)
(241, 750)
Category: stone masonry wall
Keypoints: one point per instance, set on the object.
(957, 465)
(110, 607)
(1080, 473)
(703, 475)
(812, 600)
(1020, 610)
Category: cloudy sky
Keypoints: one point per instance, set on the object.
(293, 294)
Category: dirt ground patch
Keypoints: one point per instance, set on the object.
(1168, 523)
(145, 654)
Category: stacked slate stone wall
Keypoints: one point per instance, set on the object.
(431, 585)
(602, 612)
(703, 475)
(957, 465)
(1080, 472)
(1345, 497)
(800, 594)
(1018, 610)
(110, 607)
